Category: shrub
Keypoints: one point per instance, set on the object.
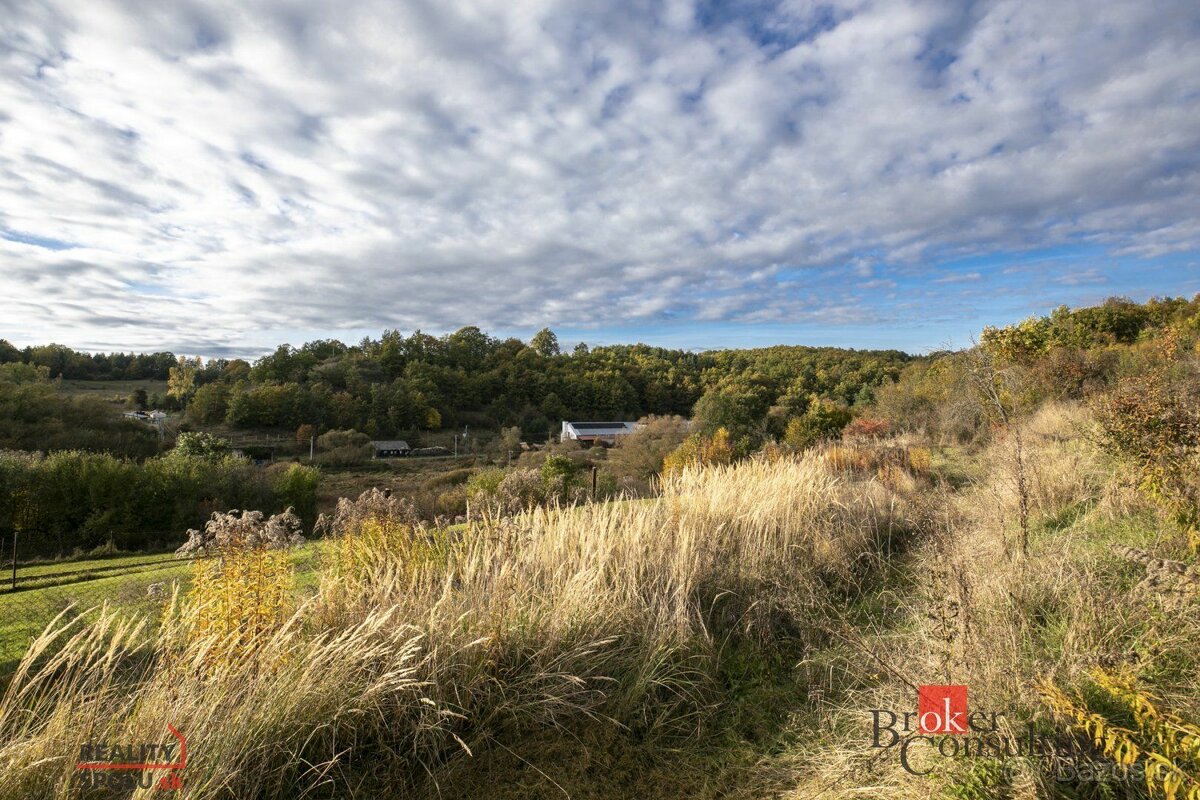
(822, 421)
(484, 484)
(1164, 744)
(343, 448)
(455, 477)
(640, 455)
(35, 416)
(374, 504)
(295, 487)
(76, 500)
(332, 440)
(1152, 421)
(700, 451)
(201, 445)
(520, 490)
(452, 502)
(865, 428)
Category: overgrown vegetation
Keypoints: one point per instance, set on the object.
(622, 613)
(35, 417)
(74, 501)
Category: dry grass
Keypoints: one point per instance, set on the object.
(422, 646)
(1073, 605)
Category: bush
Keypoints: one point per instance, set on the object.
(201, 445)
(455, 477)
(521, 490)
(452, 502)
(332, 440)
(378, 505)
(700, 451)
(864, 428)
(76, 500)
(295, 486)
(934, 397)
(1152, 422)
(484, 484)
(559, 480)
(35, 416)
(822, 421)
(343, 448)
(640, 455)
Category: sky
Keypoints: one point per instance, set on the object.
(216, 178)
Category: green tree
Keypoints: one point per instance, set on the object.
(209, 404)
(181, 379)
(201, 445)
(510, 441)
(699, 450)
(822, 421)
(641, 453)
(295, 486)
(544, 343)
(738, 409)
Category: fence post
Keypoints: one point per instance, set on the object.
(14, 574)
(593, 483)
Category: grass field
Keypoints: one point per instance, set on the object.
(45, 590)
(404, 476)
(116, 392)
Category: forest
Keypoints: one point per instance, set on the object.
(398, 384)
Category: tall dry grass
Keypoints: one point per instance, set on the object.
(422, 646)
(1015, 623)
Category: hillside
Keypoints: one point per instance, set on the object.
(407, 384)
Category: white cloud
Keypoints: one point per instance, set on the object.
(245, 168)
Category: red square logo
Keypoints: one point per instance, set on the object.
(942, 709)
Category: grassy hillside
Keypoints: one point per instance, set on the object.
(112, 391)
(623, 614)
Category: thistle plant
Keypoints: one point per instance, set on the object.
(376, 504)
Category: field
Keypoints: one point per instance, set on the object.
(116, 392)
(121, 583)
(404, 476)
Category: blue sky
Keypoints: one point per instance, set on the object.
(216, 178)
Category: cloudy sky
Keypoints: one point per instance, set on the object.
(216, 178)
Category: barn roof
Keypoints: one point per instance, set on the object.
(599, 428)
(397, 444)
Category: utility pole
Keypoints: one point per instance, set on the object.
(312, 446)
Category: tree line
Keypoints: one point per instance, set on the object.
(72, 501)
(399, 383)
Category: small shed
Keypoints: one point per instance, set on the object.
(390, 449)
